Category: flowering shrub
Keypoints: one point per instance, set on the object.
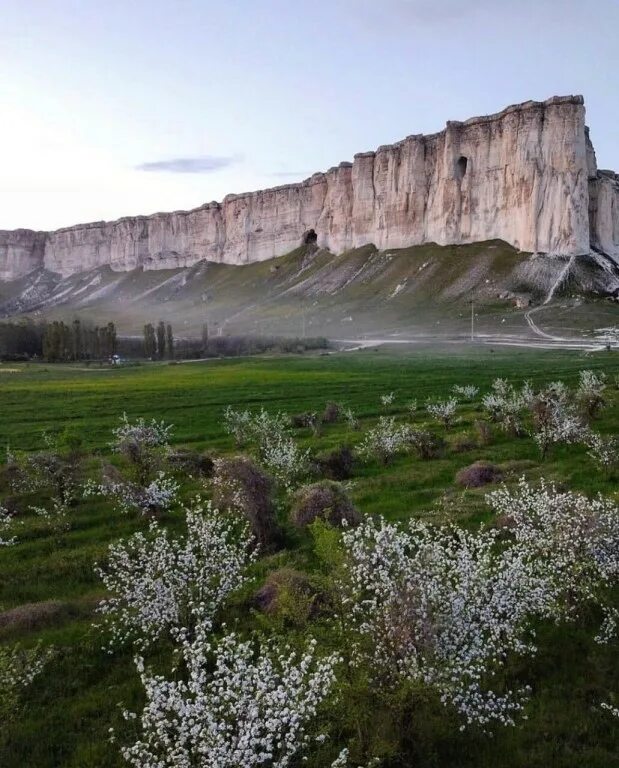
(141, 443)
(603, 450)
(589, 394)
(351, 418)
(283, 458)
(505, 404)
(240, 706)
(443, 411)
(387, 399)
(556, 421)
(384, 439)
(6, 522)
(18, 668)
(160, 585)
(466, 391)
(56, 515)
(440, 606)
(246, 427)
(412, 408)
(151, 500)
(570, 540)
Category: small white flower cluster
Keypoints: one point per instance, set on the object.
(241, 706)
(614, 711)
(439, 606)
(142, 443)
(277, 450)
(18, 668)
(140, 435)
(412, 407)
(283, 458)
(6, 523)
(387, 399)
(160, 585)
(570, 540)
(556, 419)
(151, 500)
(246, 427)
(351, 418)
(56, 515)
(466, 391)
(589, 393)
(603, 450)
(385, 439)
(443, 411)
(505, 404)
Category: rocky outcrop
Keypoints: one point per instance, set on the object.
(525, 175)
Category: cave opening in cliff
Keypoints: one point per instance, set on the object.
(461, 167)
(310, 237)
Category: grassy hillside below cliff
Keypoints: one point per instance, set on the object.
(419, 290)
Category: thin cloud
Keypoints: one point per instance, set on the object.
(200, 164)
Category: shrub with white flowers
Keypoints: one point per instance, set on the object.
(570, 540)
(284, 459)
(466, 391)
(443, 411)
(412, 408)
(556, 421)
(240, 706)
(142, 443)
(590, 392)
(351, 418)
(246, 427)
(441, 607)
(603, 450)
(385, 439)
(161, 585)
(387, 399)
(6, 523)
(159, 495)
(18, 668)
(56, 515)
(505, 404)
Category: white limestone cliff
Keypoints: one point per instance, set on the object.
(526, 175)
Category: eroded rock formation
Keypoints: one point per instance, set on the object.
(526, 175)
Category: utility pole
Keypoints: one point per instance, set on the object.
(472, 320)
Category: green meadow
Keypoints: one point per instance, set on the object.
(49, 591)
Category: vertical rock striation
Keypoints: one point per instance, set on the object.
(526, 175)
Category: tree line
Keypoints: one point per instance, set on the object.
(57, 341)
(159, 341)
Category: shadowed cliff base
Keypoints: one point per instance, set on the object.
(361, 293)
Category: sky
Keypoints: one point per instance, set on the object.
(111, 108)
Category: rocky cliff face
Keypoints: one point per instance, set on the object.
(526, 175)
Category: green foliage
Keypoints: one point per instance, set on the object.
(66, 712)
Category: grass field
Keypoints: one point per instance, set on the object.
(67, 711)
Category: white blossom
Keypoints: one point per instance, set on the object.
(384, 439)
(570, 540)
(240, 706)
(466, 391)
(387, 399)
(442, 607)
(6, 523)
(158, 584)
(159, 495)
(443, 411)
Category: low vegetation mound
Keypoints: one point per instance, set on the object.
(325, 500)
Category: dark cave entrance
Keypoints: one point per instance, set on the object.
(461, 165)
(310, 237)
